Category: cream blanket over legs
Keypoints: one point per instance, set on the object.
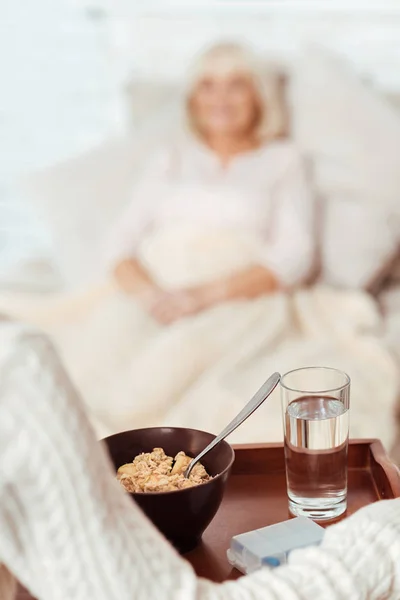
(200, 371)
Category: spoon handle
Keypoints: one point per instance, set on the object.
(259, 397)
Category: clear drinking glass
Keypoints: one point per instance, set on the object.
(315, 404)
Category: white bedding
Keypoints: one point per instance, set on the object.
(200, 371)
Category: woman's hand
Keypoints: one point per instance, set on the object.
(168, 307)
(246, 284)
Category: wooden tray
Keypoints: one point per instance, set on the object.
(256, 497)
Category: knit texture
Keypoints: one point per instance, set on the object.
(68, 531)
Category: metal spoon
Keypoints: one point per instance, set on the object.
(256, 401)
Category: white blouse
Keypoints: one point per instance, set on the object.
(264, 192)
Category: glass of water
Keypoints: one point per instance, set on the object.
(315, 403)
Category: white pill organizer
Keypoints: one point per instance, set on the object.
(270, 546)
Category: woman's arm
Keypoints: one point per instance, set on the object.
(132, 277)
(246, 284)
(127, 233)
(69, 531)
(129, 229)
(289, 250)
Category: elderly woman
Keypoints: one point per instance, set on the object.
(230, 174)
(222, 218)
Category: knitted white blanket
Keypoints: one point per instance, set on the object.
(199, 371)
(68, 532)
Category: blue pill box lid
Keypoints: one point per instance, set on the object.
(270, 546)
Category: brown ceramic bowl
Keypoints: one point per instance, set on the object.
(182, 515)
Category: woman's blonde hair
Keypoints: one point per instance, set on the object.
(231, 57)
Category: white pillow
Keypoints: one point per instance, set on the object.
(352, 137)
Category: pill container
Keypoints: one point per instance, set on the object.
(270, 546)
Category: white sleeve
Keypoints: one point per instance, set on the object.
(289, 251)
(127, 231)
(69, 531)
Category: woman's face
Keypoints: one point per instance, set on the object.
(225, 105)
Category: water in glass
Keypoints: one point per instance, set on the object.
(316, 441)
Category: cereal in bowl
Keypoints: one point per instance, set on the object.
(156, 472)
